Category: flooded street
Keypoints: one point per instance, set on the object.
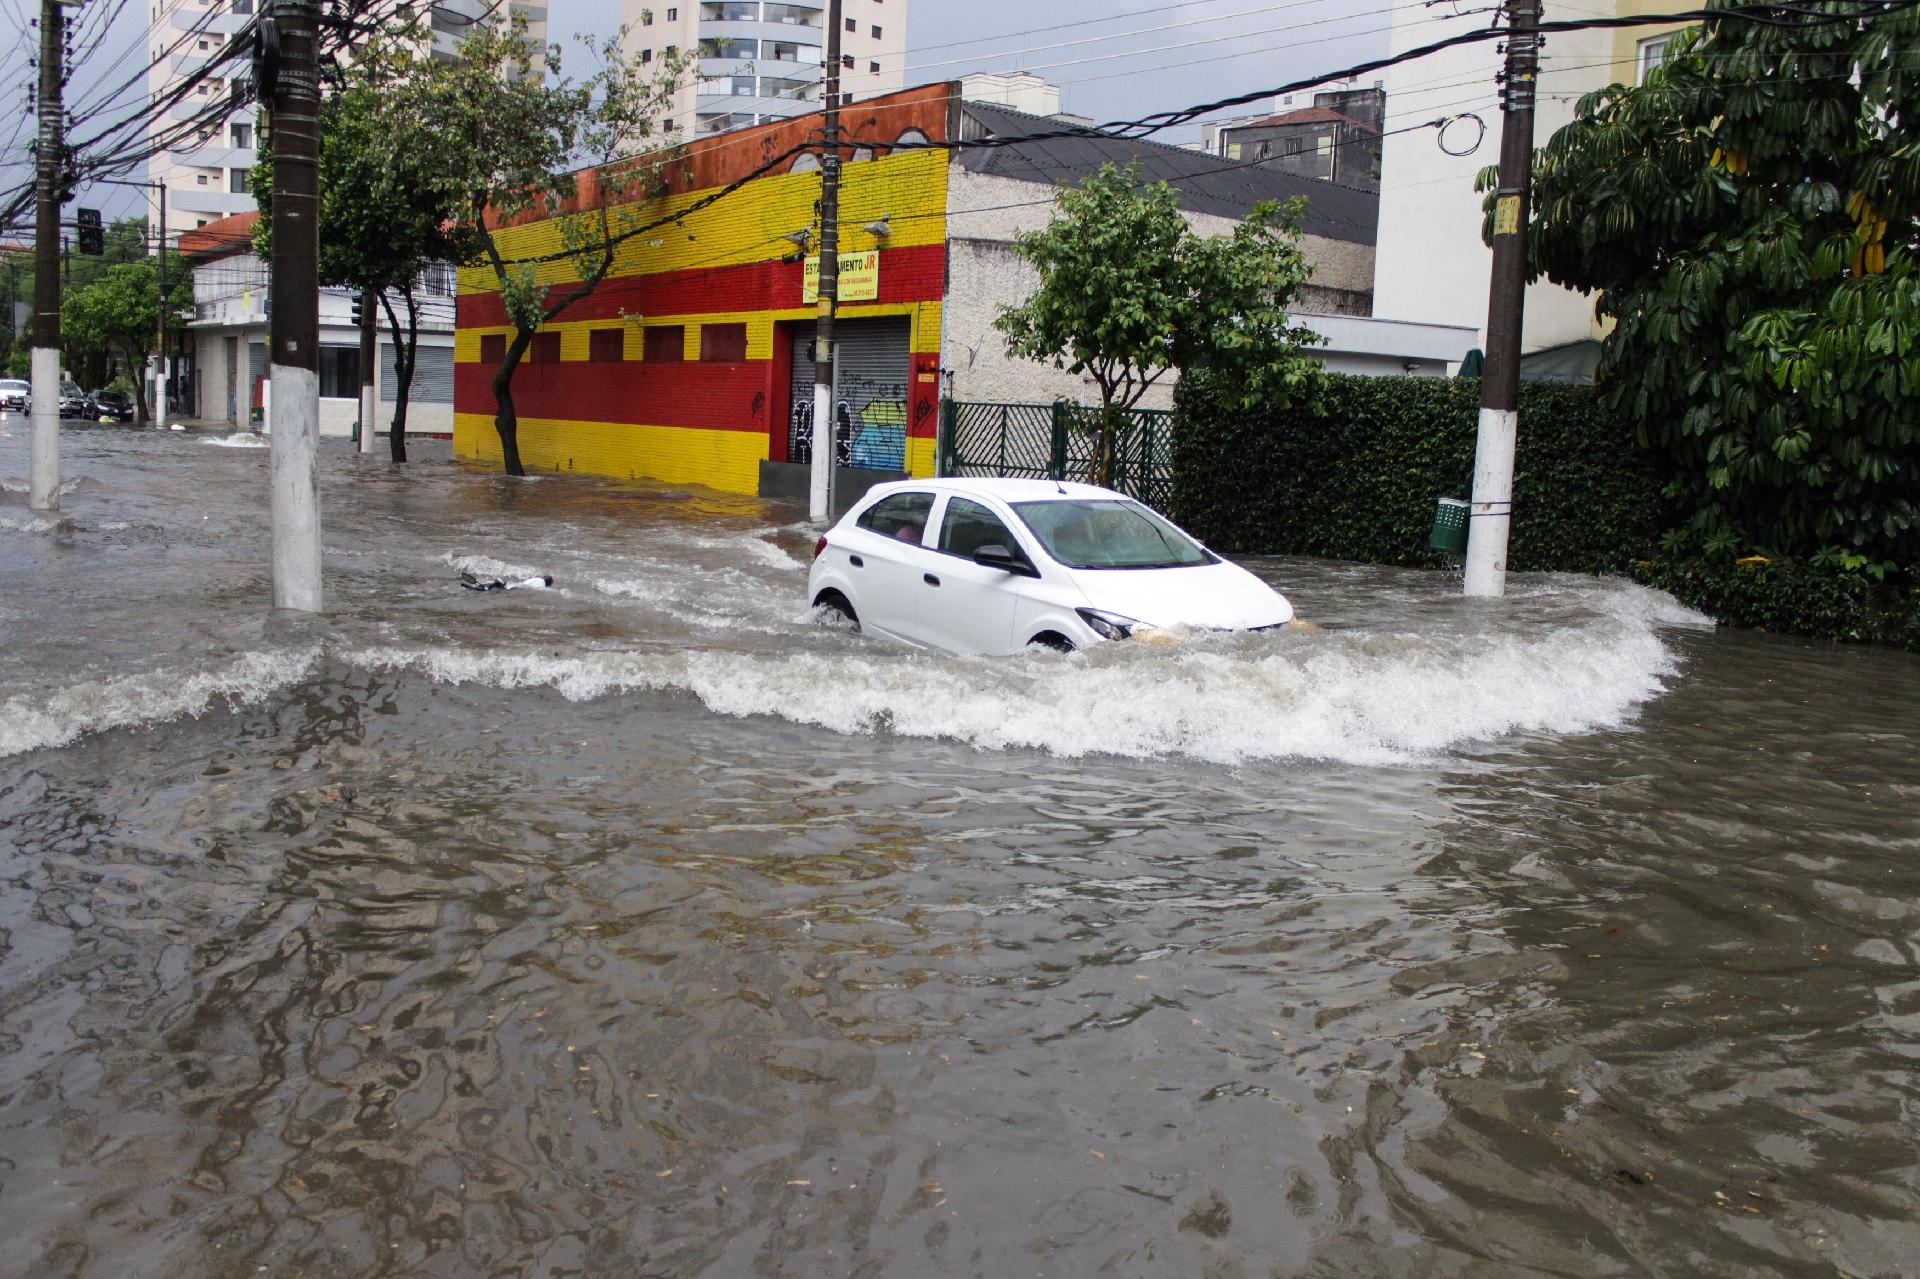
(649, 926)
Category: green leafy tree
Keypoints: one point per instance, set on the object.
(118, 314)
(1128, 291)
(507, 129)
(385, 211)
(1747, 220)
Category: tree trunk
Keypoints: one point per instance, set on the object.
(505, 419)
(1103, 442)
(135, 363)
(405, 351)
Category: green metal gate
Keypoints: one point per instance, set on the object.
(1056, 441)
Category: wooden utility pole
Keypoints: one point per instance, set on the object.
(1491, 515)
(291, 83)
(43, 483)
(820, 487)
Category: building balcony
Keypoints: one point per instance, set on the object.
(208, 23)
(216, 157)
(206, 200)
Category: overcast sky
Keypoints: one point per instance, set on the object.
(1113, 59)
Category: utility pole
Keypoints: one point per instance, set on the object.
(43, 484)
(290, 82)
(369, 349)
(1491, 515)
(820, 488)
(163, 375)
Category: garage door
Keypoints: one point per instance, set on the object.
(870, 394)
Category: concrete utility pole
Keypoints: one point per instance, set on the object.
(291, 83)
(820, 488)
(163, 374)
(43, 483)
(1492, 511)
(369, 350)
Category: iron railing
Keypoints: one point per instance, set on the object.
(1056, 441)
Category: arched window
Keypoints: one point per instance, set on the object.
(805, 162)
(912, 137)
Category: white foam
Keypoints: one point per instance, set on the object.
(487, 566)
(1359, 697)
(238, 440)
(31, 722)
(33, 524)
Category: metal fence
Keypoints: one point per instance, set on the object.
(1056, 441)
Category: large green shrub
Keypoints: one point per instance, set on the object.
(1794, 597)
(1358, 478)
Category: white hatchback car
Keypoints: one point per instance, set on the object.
(992, 566)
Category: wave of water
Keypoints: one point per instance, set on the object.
(30, 722)
(239, 440)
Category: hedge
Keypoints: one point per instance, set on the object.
(1791, 597)
(1359, 479)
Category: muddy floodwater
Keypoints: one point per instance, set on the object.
(649, 926)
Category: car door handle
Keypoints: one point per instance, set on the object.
(856, 561)
(930, 579)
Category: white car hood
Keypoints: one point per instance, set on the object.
(1221, 596)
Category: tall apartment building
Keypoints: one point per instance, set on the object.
(762, 60)
(206, 175)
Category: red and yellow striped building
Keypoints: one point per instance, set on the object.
(682, 365)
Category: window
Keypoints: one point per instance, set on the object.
(673, 15)
(241, 134)
(902, 516)
(664, 344)
(781, 51)
(728, 49)
(1323, 144)
(846, 60)
(605, 346)
(852, 25)
(243, 6)
(876, 31)
(673, 50)
(723, 343)
(782, 87)
(1652, 52)
(791, 14)
(874, 67)
(646, 55)
(339, 372)
(729, 11)
(205, 45)
(1102, 533)
(742, 86)
(544, 349)
(237, 181)
(200, 178)
(646, 18)
(967, 526)
(493, 348)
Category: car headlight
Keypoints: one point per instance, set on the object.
(1113, 626)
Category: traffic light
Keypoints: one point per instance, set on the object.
(358, 318)
(93, 240)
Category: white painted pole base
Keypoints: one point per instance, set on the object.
(296, 488)
(367, 408)
(1492, 511)
(43, 481)
(822, 453)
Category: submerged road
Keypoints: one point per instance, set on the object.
(648, 926)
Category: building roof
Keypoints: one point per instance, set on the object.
(221, 237)
(1207, 184)
(1304, 115)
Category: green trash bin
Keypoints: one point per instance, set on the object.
(1450, 527)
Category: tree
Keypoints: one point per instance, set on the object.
(1128, 292)
(1747, 218)
(119, 312)
(385, 214)
(506, 130)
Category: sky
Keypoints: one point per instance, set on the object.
(1113, 59)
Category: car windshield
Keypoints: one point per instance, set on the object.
(1097, 533)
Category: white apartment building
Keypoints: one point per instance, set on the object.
(206, 175)
(762, 59)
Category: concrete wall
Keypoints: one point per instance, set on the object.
(1431, 266)
(985, 273)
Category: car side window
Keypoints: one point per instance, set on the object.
(968, 526)
(902, 516)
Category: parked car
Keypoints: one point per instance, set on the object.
(74, 402)
(16, 396)
(116, 406)
(995, 565)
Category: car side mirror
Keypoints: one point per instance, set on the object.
(994, 555)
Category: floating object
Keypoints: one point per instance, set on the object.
(176, 427)
(538, 583)
(1450, 527)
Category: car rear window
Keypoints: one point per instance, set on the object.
(1108, 533)
(903, 516)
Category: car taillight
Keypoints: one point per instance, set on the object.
(820, 546)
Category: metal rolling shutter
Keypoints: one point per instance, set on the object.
(870, 394)
(256, 363)
(432, 374)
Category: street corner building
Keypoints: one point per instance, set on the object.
(693, 361)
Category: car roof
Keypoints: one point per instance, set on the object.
(1006, 490)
